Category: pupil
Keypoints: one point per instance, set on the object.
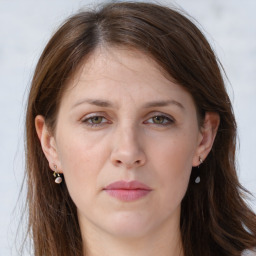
(97, 119)
(158, 119)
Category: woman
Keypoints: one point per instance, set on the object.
(131, 140)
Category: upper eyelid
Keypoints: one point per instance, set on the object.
(94, 114)
(169, 120)
(155, 113)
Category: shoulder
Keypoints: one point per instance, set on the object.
(249, 252)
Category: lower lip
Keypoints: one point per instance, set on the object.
(127, 194)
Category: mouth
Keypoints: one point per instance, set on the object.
(127, 191)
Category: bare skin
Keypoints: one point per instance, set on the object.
(121, 119)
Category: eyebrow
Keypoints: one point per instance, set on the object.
(108, 104)
(95, 102)
(163, 104)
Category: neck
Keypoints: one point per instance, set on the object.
(164, 242)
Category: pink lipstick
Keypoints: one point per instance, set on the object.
(127, 191)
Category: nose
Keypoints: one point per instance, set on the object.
(127, 150)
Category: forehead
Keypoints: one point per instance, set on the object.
(117, 73)
(113, 62)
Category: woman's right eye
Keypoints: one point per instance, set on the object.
(95, 121)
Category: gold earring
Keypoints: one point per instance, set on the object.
(200, 160)
(56, 175)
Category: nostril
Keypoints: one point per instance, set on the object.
(136, 162)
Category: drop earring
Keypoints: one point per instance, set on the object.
(56, 175)
(197, 180)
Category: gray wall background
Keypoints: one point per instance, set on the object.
(26, 26)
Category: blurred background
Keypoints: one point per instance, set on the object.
(27, 25)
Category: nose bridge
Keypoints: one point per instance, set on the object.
(127, 149)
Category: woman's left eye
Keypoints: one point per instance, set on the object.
(160, 120)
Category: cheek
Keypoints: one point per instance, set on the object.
(173, 162)
(81, 162)
(174, 153)
(79, 153)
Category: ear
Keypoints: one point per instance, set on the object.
(48, 143)
(207, 135)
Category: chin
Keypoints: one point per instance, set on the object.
(128, 225)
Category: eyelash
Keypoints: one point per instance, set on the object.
(167, 120)
(86, 121)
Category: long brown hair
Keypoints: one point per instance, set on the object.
(215, 219)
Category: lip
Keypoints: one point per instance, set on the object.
(127, 191)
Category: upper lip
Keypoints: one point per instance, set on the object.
(130, 185)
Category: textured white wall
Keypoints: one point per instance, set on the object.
(25, 27)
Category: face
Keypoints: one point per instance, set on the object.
(121, 120)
